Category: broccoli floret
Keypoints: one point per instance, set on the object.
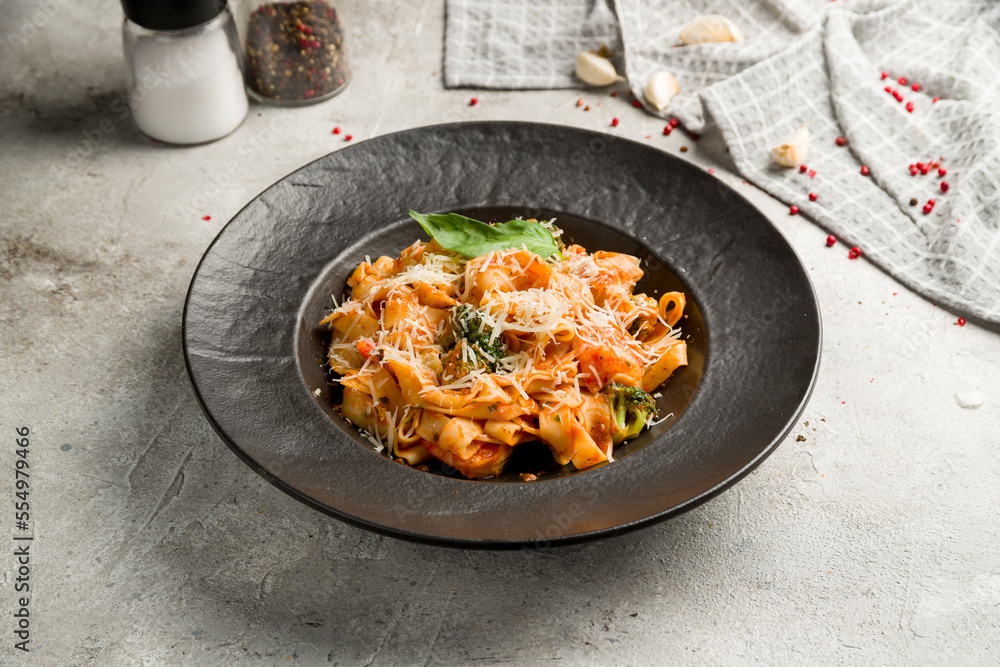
(447, 339)
(631, 410)
(467, 323)
(455, 367)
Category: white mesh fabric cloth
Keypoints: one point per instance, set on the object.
(522, 43)
(805, 61)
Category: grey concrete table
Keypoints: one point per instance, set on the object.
(869, 537)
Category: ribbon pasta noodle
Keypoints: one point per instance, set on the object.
(463, 359)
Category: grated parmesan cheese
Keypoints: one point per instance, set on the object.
(531, 321)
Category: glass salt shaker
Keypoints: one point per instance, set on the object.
(184, 73)
(294, 52)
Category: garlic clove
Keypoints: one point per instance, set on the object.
(710, 28)
(660, 89)
(793, 150)
(594, 70)
(970, 400)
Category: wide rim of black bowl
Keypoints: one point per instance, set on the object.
(760, 310)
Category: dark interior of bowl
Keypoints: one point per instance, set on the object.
(674, 395)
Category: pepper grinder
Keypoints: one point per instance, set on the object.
(295, 52)
(184, 74)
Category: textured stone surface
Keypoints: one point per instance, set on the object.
(871, 541)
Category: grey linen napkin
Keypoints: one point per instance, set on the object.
(805, 61)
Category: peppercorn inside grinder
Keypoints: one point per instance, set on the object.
(294, 52)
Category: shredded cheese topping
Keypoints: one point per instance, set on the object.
(549, 334)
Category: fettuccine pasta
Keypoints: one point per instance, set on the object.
(461, 360)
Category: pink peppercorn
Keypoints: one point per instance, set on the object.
(667, 130)
(793, 210)
(909, 107)
(864, 170)
(944, 186)
(636, 103)
(813, 196)
(674, 122)
(915, 87)
(901, 80)
(961, 322)
(925, 169)
(579, 102)
(831, 241)
(840, 141)
(812, 173)
(206, 217)
(336, 130)
(942, 171)
(474, 101)
(348, 137)
(802, 168)
(854, 253)
(888, 89)
(885, 75)
(934, 101)
(913, 170)
(614, 122)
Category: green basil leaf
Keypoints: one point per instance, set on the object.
(473, 238)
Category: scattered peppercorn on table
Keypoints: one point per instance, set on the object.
(868, 537)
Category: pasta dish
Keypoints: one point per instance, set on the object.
(462, 348)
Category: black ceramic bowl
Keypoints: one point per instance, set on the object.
(255, 351)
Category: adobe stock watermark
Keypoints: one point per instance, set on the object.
(377, 18)
(121, 109)
(222, 178)
(154, 77)
(23, 538)
(30, 26)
